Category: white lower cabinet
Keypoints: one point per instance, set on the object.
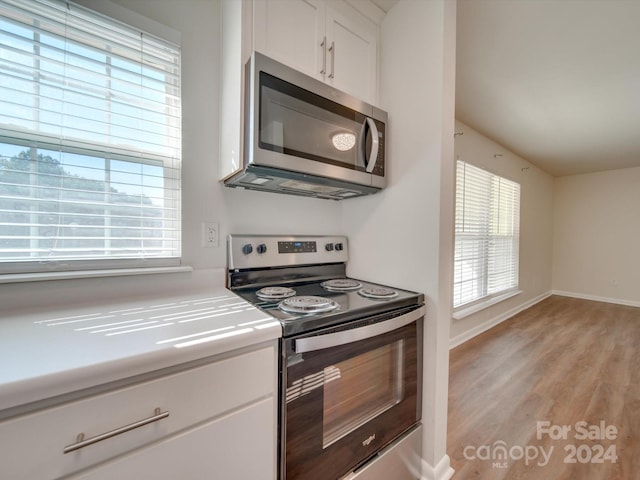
(235, 447)
(215, 421)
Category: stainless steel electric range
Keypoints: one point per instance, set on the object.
(350, 358)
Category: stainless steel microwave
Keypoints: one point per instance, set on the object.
(304, 137)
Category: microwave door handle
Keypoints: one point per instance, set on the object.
(329, 340)
(370, 162)
(362, 144)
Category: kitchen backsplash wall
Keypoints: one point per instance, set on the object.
(204, 198)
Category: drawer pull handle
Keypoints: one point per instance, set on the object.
(81, 442)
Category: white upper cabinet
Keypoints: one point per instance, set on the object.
(288, 31)
(328, 40)
(298, 33)
(353, 61)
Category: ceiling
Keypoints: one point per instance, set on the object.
(554, 81)
(385, 5)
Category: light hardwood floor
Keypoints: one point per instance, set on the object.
(562, 361)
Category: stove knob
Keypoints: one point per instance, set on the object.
(329, 247)
(339, 247)
(262, 248)
(247, 249)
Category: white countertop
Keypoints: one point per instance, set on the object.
(64, 350)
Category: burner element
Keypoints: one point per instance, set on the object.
(274, 293)
(378, 292)
(341, 285)
(307, 304)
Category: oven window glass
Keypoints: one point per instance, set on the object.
(361, 388)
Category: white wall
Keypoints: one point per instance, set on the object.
(536, 228)
(203, 196)
(403, 235)
(596, 236)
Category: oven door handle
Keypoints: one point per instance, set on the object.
(329, 340)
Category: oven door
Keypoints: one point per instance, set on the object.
(349, 392)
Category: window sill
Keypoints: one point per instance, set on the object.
(115, 272)
(463, 312)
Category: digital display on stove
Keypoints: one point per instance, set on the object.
(297, 247)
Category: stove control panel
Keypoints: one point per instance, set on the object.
(297, 246)
(258, 251)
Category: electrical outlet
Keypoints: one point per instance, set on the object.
(209, 235)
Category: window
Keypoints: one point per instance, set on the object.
(487, 235)
(90, 141)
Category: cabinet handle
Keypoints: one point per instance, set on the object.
(324, 55)
(332, 50)
(81, 442)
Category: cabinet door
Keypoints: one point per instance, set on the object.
(33, 444)
(291, 32)
(353, 61)
(239, 446)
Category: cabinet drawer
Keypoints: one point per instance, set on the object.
(33, 444)
(239, 446)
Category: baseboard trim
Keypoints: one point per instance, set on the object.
(596, 298)
(483, 327)
(442, 471)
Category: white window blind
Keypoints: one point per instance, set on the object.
(90, 141)
(487, 227)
